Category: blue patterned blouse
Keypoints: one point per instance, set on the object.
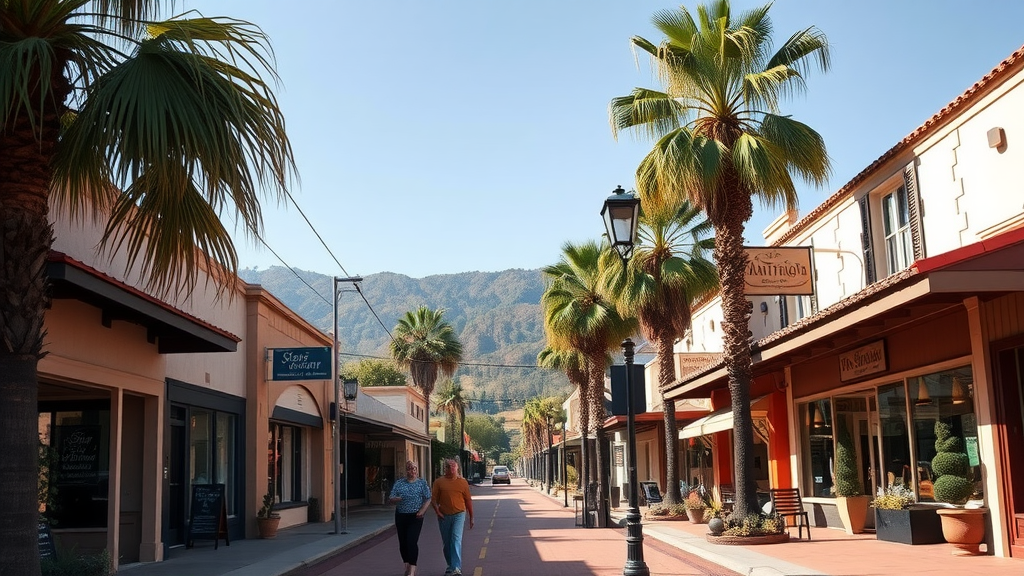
(413, 495)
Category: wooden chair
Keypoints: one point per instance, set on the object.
(786, 503)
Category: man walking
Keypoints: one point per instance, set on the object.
(451, 501)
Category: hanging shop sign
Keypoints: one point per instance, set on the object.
(777, 270)
(868, 359)
(301, 363)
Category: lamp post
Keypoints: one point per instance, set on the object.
(565, 468)
(351, 391)
(621, 214)
(337, 408)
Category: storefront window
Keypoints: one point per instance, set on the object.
(948, 397)
(285, 452)
(78, 445)
(212, 438)
(818, 448)
(895, 439)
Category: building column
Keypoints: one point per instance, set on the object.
(151, 548)
(114, 477)
(779, 473)
(986, 412)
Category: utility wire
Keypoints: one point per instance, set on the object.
(359, 290)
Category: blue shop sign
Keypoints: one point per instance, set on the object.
(301, 363)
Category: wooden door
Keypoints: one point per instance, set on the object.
(1009, 387)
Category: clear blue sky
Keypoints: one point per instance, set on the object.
(444, 136)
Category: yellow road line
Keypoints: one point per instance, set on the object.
(487, 539)
(478, 572)
(483, 552)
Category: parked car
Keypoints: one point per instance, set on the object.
(500, 475)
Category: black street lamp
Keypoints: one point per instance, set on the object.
(621, 213)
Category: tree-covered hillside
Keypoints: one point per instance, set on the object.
(496, 315)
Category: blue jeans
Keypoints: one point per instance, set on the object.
(451, 539)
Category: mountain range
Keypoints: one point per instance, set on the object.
(496, 315)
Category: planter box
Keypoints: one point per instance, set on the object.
(913, 526)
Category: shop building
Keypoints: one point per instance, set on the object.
(917, 316)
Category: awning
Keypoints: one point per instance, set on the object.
(297, 406)
(718, 421)
(171, 329)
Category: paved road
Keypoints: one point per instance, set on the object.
(518, 532)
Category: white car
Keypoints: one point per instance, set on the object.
(500, 476)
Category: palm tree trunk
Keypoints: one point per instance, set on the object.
(27, 238)
(597, 385)
(732, 262)
(583, 466)
(666, 374)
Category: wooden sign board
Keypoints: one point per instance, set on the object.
(208, 516)
(775, 270)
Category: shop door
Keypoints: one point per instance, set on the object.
(175, 467)
(1009, 395)
(857, 414)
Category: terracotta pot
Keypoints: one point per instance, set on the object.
(964, 528)
(268, 526)
(854, 512)
(695, 515)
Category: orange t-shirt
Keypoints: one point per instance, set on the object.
(451, 494)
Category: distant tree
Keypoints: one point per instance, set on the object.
(451, 401)
(487, 433)
(375, 372)
(426, 345)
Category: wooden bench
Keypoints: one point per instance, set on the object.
(786, 502)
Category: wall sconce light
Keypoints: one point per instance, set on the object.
(996, 138)
(923, 398)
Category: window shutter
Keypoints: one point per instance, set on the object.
(865, 240)
(916, 209)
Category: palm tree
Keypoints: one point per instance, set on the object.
(158, 128)
(451, 401)
(721, 141)
(580, 316)
(426, 345)
(574, 365)
(667, 273)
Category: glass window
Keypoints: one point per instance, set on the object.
(895, 438)
(948, 397)
(285, 462)
(896, 224)
(817, 446)
(78, 446)
(200, 455)
(224, 470)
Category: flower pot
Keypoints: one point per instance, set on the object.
(964, 528)
(854, 512)
(268, 526)
(910, 526)
(696, 515)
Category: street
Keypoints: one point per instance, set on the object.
(518, 532)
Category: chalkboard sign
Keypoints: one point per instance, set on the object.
(650, 492)
(46, 547)
(208, 517)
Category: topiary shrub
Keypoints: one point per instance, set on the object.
(847, 475)
(952, 466)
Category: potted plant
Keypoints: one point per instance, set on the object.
(695, 506)
(851, 501)
(267, 520)
(897, 519)
(962, 527)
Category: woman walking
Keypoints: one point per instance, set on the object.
(412, 498)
